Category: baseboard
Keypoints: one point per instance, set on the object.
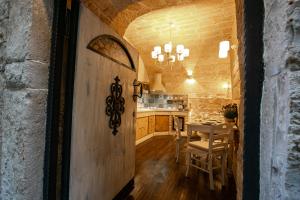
(143, 139)
(124, 193)
(147, 137)
(162, 133)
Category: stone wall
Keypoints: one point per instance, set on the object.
(3, 38)
(210, 75)
(280, 118)
(25, 32)
(234, 64)
(142, 72)
(206, 108)
(240, 54)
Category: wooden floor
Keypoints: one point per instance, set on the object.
(158, 176)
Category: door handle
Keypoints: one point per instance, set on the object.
(137, 84)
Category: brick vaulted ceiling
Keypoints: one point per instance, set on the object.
(120, 13)
(200, 27)
(198, 24)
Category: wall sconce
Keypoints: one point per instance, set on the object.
(226, 86)
(189, 72)
(223, 49)
(190, 78)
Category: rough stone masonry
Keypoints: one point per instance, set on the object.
(25, 35)
(280, 109)
(25, 31)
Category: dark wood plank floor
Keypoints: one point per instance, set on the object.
(158, 176)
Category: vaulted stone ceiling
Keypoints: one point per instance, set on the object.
(120, 13)
(200, 27)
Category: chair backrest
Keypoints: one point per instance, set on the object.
(206, 129)
(219, 137)
(176, 126)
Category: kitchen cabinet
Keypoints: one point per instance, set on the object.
(151, 124)
(148, 123)
(141, 127)
(145, 126)
(161, 123)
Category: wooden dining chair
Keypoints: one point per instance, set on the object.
(179, 137)
(211, 154)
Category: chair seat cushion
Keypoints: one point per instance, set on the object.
(183, 134)
(203, 145)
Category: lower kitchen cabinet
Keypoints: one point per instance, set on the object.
(151, 124)
(147, 124)
(161, 123)
(141, 127)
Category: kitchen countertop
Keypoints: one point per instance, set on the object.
(160, 111)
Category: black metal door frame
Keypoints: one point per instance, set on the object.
(253, 76)
(64, 22)
(253, 84)
(53, 103)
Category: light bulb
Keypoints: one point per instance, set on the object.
(168, 47)
(186, 52)
(189, 72)
(157, 49)
(180, 57)
(179, 48)
(154, 55)
(190, 80)
(172, 58)
(223, 54)
(226, 86)
(224, 45)
(223, 49)
(160, 58)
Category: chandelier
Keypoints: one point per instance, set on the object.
(168, 53)
(180, 54)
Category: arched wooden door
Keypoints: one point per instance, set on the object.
(103, 124)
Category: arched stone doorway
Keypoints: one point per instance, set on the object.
(250, 23)
(249, 18)
(26, 141)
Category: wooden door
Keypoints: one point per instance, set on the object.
(161, 123)
(101, 163)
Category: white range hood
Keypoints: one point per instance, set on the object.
(157, 86)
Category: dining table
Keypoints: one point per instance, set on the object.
(202, 126)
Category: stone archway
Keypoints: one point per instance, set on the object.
(119, 16)
(276, 164)
(25, 66)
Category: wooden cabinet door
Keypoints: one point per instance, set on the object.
(161, 123)
(138, 128)
(151, 124)
(145, 126)
(141, 127)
